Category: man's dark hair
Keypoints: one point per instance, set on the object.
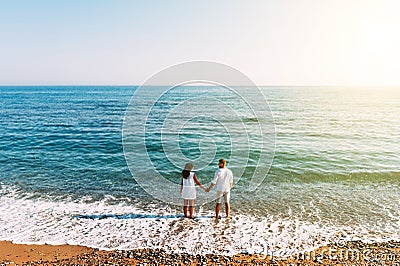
(223, 161)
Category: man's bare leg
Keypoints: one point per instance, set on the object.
(217, 208)
(227, 210)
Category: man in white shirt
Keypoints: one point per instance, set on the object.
(223, 180)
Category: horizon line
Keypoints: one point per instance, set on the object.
(199, 85)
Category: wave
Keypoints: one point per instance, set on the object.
(301, 175)
(126, 226)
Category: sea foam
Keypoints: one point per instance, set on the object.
(124, 226)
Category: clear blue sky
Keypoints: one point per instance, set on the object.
(275, 42)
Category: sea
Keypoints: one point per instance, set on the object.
(100, 166)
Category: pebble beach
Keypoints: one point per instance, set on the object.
(348, 253)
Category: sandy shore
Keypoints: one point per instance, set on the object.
(348, 253)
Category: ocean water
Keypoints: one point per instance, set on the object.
(327, 166)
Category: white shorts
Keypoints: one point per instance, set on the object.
(226, 194)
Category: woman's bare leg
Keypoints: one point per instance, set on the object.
(185, 207)
(191, 208)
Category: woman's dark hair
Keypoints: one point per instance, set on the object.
(185, 174)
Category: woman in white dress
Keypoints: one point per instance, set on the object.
(188, 189)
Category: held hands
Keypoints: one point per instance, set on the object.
(205, 190)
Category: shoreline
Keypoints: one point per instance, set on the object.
(350, 253)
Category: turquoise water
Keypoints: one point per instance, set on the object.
(64, 140)
(336, 162)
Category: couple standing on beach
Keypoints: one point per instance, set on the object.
(223, 180)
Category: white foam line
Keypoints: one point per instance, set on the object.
(43, 221)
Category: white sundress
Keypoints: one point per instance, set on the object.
(189, 189)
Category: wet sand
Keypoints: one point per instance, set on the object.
(347, 253)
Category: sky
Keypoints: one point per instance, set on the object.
(274, 42)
